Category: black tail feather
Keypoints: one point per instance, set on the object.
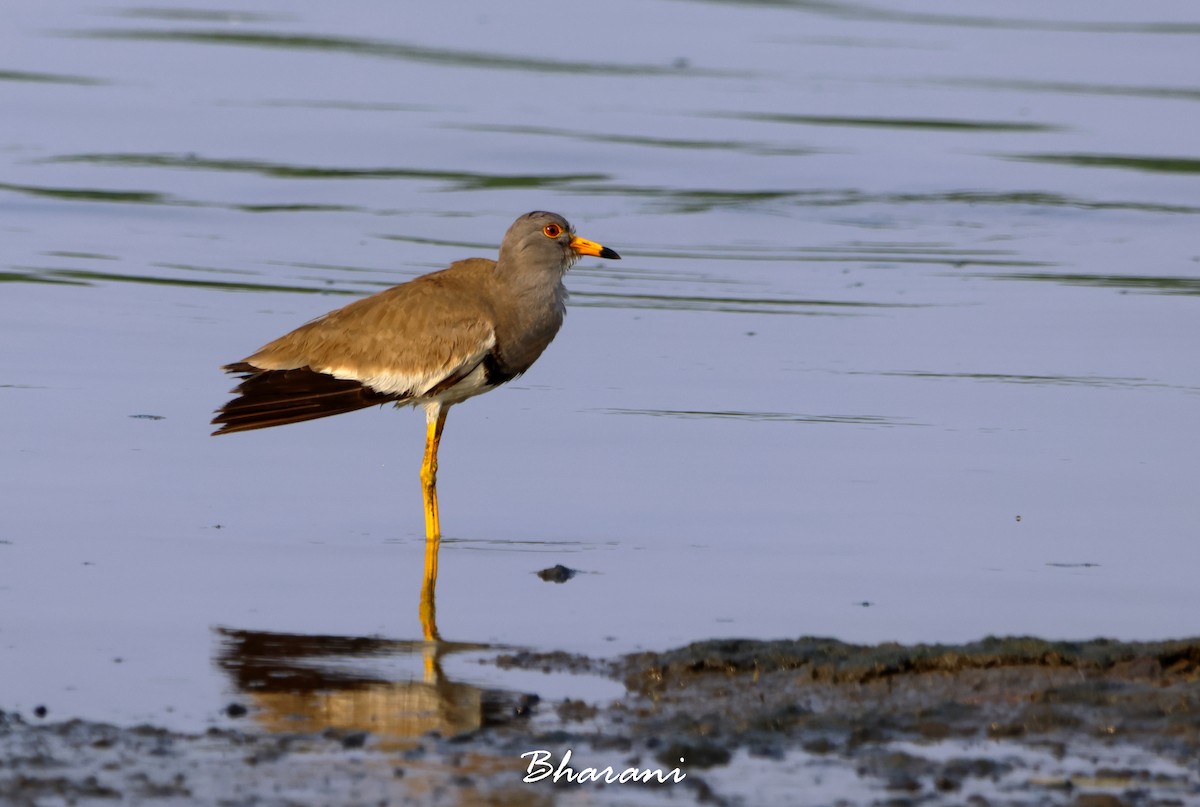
(276, 397)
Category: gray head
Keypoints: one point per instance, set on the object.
(546, 241)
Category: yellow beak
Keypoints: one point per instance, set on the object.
(586, 247)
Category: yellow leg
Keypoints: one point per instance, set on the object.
(435, 418)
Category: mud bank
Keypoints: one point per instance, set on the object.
(811, 721)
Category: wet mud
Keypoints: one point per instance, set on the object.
(810, 721)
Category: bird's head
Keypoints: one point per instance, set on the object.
(542, 240)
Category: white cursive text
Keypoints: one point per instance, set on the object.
(541, 766)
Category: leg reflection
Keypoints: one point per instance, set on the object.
(428, 610)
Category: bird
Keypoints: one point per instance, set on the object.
(432, 342)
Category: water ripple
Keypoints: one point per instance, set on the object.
(745, 147)
(1072, 88)
(460, 180)
(48, 78)
(1146, 284)
(769, 417)
(380, 48)
(881, 122)
(1129, 162)
(862, 11)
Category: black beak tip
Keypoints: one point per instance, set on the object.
(608, 253)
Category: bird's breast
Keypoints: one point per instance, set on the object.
(526, 329)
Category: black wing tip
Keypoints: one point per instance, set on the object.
(269, 398)
(242, 367)
(245, 369)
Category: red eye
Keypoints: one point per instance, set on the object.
(552, 230)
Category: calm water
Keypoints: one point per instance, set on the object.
(903, 345)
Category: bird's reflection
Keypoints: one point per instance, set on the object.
(393, 688)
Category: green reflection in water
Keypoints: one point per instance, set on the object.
(1035, 199)
(699, 200)
(347, 269)
(198, 15)
(401, 50)
(741, 305)
(49, 78)
(770, 417)
(218, 270)
(948, 258)
(937, 124)
(299, 208)
(23, 277)
(462, 180)
(350, 106)
(83, 256)
(93, 194)
(745, 147)
(1039, 380)
(440, 242)
(155, 198)
(861, 11)
(1073, 88)
(83, 277)
(1149, 284)
(1170, 165)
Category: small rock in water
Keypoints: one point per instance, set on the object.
(556, 574)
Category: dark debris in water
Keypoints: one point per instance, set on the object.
(557, 574)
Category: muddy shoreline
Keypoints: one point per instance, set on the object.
(809, 721)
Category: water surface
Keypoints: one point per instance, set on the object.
(902, 346)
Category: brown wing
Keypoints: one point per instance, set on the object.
(400, 344)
